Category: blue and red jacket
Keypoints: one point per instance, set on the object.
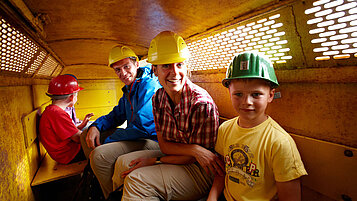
(135, 107)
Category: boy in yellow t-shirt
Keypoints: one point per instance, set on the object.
(261, 159)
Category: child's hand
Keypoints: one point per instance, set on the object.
(85, 121)
(137, 163)
(88, 116)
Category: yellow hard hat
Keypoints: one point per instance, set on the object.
(120, 52)
(166, 48)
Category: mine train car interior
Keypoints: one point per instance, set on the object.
(311, 43)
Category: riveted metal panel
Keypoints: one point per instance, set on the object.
(98, 96)
(331, 167)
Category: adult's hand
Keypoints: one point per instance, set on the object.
(93, 137)
(137, 163)
(209, 161)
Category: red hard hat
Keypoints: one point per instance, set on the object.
(63, 85)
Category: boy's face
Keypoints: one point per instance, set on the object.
(172, 77)
(126, 70)
(250, 98)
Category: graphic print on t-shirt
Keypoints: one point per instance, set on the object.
(240, 166)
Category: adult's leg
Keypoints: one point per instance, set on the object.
(103, 136)
(103, 159)
(167, 182)
(123, 161)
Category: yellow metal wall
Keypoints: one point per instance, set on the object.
(98, 97)
(19, 97)
(15, 166)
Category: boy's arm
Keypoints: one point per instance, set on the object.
(217, 188)
(289, 190)
(76, 137)
(218, 185)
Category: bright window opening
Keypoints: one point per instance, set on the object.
(48, 67)
(334, 28)
(16, 49)
(20, 54)
(266, 35)
(34, 66)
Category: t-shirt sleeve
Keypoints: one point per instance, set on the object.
(63, 126)
(286, 161)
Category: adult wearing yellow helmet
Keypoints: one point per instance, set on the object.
(134, 107)
(186, 121)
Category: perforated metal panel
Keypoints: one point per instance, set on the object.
(265, 34)
(303, 34)
(48, 67)
(16, 49)
(21, 55)
(34, 66)
(334, 28)
(57, 71)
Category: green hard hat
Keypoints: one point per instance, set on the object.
(250, 65)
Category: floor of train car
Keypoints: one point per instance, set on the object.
(60, 190)
(64, 190)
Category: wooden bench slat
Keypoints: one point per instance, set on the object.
(50, 170)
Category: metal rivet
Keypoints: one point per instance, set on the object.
(348, 153)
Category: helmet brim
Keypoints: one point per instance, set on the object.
(64, 94)
(225, 81)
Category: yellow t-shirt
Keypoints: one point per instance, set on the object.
(255, 158)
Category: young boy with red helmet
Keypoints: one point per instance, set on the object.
(58, 134)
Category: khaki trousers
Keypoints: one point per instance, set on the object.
(103, 158)
(161, 182)
(84, 145)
